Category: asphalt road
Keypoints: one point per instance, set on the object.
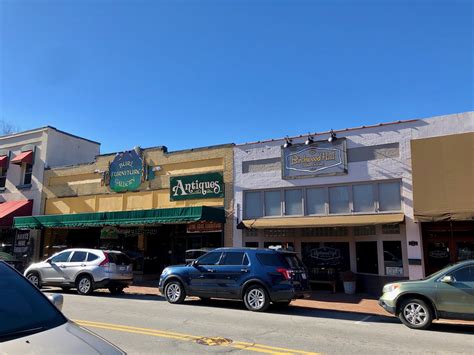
(148, 324)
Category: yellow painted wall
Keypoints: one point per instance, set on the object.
(81, 188)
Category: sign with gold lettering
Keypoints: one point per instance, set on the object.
(317, 159)
(126, 171)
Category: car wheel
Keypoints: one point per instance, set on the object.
(116, 290)
(416, 314)
(34, 278)
(174, 292)
(84, 285)
(256, 299)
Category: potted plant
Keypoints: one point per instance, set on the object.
(349, 279)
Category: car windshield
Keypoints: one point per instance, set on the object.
(23, 310)
(439, 272)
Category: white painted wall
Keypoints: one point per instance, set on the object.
(382, 169)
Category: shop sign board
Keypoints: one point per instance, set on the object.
(126, 171)
(21, 242)
(198, 186)
(320, 158)
(204, 227)
(325, 253)
(394, 271)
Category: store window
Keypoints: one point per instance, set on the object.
(391, 228)
(27, 174)
(363, 198)
(392, 258)
(389, 196)
(339, 199)
(251, 232)
(364, 230)
(324, 260)
(253, 204)
(367, 257)
(3, 177)
(293, 202)
(316, 201)
(272, 203)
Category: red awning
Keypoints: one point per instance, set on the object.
(24, 157)
(11, 209)
(3, 161)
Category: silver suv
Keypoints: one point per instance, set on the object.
(84, 269)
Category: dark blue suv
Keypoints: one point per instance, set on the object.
(257, 276)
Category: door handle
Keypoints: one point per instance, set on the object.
(244, 270)
(82, 265)
(201, 276)
(211, 270)
(62, 266)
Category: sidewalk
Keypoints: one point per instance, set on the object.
(322, 300)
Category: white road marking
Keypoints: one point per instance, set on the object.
(363, 320)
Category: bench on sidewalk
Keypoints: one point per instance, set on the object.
(327, 282)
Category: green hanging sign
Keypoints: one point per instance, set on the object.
(126, 171)
(199, 186)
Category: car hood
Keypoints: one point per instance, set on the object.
(68, 338)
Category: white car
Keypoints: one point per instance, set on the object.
(30, 323)
(84, 269)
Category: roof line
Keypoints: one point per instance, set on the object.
(28, 131)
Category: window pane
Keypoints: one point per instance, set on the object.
(392, 258)
(211, 258)
(293, 202)
(92, 257)
(253, 204)
(366, 256)
(338, 199)
(272, 203)
(61, 258)
(233, 258)
(316, 200)
(363, 196)
(78, 256)
(464, 274)
(389, 196)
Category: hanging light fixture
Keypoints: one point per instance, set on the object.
(288, 142)
(332, 136)
(309, 140)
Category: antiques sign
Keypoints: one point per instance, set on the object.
(210, 185)
(126, 171)
(318, 159)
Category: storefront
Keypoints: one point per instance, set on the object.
(342, 199)
(443, 178)
(150, 203)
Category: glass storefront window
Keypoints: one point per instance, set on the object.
(316, 201)
(325, 260)
(364, 230)
(465, 250)
(293, 202)
(392, 258)
(272, 203)
(367, 258)
(389, 196)
(253, 204)
(339, 199)
(363, 196)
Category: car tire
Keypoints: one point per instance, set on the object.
(256, 298)
(34, 278)
(174, 292)
(416, 314)
(84, 285)
(116, 290)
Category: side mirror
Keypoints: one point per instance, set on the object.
(447, 279)
(195, 262)
(57, 300)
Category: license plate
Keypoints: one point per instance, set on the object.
(303, 275)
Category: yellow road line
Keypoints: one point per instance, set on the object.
(260, 348)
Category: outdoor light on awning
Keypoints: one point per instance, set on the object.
(332, 136)
(288, 142)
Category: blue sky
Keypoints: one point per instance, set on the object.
(194, 73)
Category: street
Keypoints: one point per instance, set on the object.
(149, 324)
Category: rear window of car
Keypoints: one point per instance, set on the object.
(78, 256)
(119, 258)
(293, 261)
(92, 257)
(270, 259)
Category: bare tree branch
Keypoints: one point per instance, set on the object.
(7, 128)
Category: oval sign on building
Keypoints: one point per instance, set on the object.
(126, 171)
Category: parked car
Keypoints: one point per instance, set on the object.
(84, 269)
(193, 254)
(448, 293)
(30, 323)
(256, 276)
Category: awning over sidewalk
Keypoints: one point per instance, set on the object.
(3, 161)
(155, 216)
(443, 178)
(10, 209)
(323, 221)
(23, 157)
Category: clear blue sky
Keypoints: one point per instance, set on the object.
(193, 73)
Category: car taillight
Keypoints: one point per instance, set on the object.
(287, 274)
(105, 262)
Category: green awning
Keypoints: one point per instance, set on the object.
(155, 216)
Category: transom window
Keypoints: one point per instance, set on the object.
(339, 199)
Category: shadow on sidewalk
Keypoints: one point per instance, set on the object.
(107, 294)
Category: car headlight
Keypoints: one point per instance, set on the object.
(165, 271)
(390, 288)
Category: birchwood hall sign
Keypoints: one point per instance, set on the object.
(210, 185)
(318, 159)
